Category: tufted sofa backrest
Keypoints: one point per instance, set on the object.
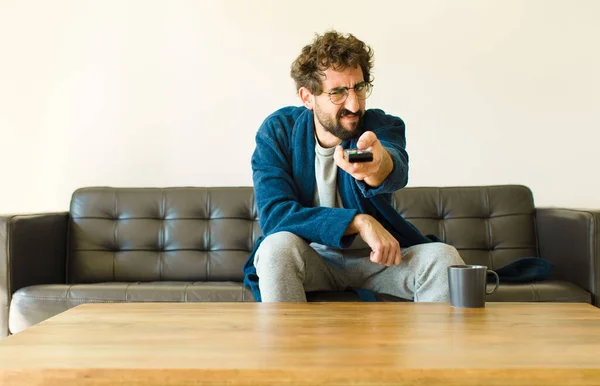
(489, 225)
(153, 234)
(206, 234)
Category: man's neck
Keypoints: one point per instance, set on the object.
(325, 138)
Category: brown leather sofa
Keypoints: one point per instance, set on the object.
(189, 245)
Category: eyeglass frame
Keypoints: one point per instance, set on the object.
(347, 91)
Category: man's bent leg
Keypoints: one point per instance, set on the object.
(287, 267)
(422, 275)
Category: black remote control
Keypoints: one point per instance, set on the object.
(355, 155)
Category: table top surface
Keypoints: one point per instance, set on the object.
(382, 343)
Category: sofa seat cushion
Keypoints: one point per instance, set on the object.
(31, 305)
(543, 291)
(546, 291)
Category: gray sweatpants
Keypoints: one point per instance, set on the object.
(287, 267)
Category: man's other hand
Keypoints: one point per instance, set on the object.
(385, 249)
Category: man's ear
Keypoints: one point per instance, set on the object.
(308, 99)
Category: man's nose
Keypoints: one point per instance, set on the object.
(352, 102)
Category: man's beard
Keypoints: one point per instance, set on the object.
(336, 128)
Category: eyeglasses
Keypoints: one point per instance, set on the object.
(338, 95)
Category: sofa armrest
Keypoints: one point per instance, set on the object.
(569, 238)
(33, 250)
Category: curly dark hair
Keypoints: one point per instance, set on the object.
(331, 50)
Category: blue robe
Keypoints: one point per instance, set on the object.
(283, 166)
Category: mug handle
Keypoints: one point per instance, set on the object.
(497, 282)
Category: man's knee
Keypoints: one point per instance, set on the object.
(282, 240)
(443, 255)
(279, 248)
(448, 255)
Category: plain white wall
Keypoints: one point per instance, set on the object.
(171, 93)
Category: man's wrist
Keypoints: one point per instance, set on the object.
(386, 167)
(357, 223)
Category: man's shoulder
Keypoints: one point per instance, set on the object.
(287, 114)
(378, 117)
(280, 125)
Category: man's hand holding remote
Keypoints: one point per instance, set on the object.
(372, 173)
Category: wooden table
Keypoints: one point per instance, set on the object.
(315, 343)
